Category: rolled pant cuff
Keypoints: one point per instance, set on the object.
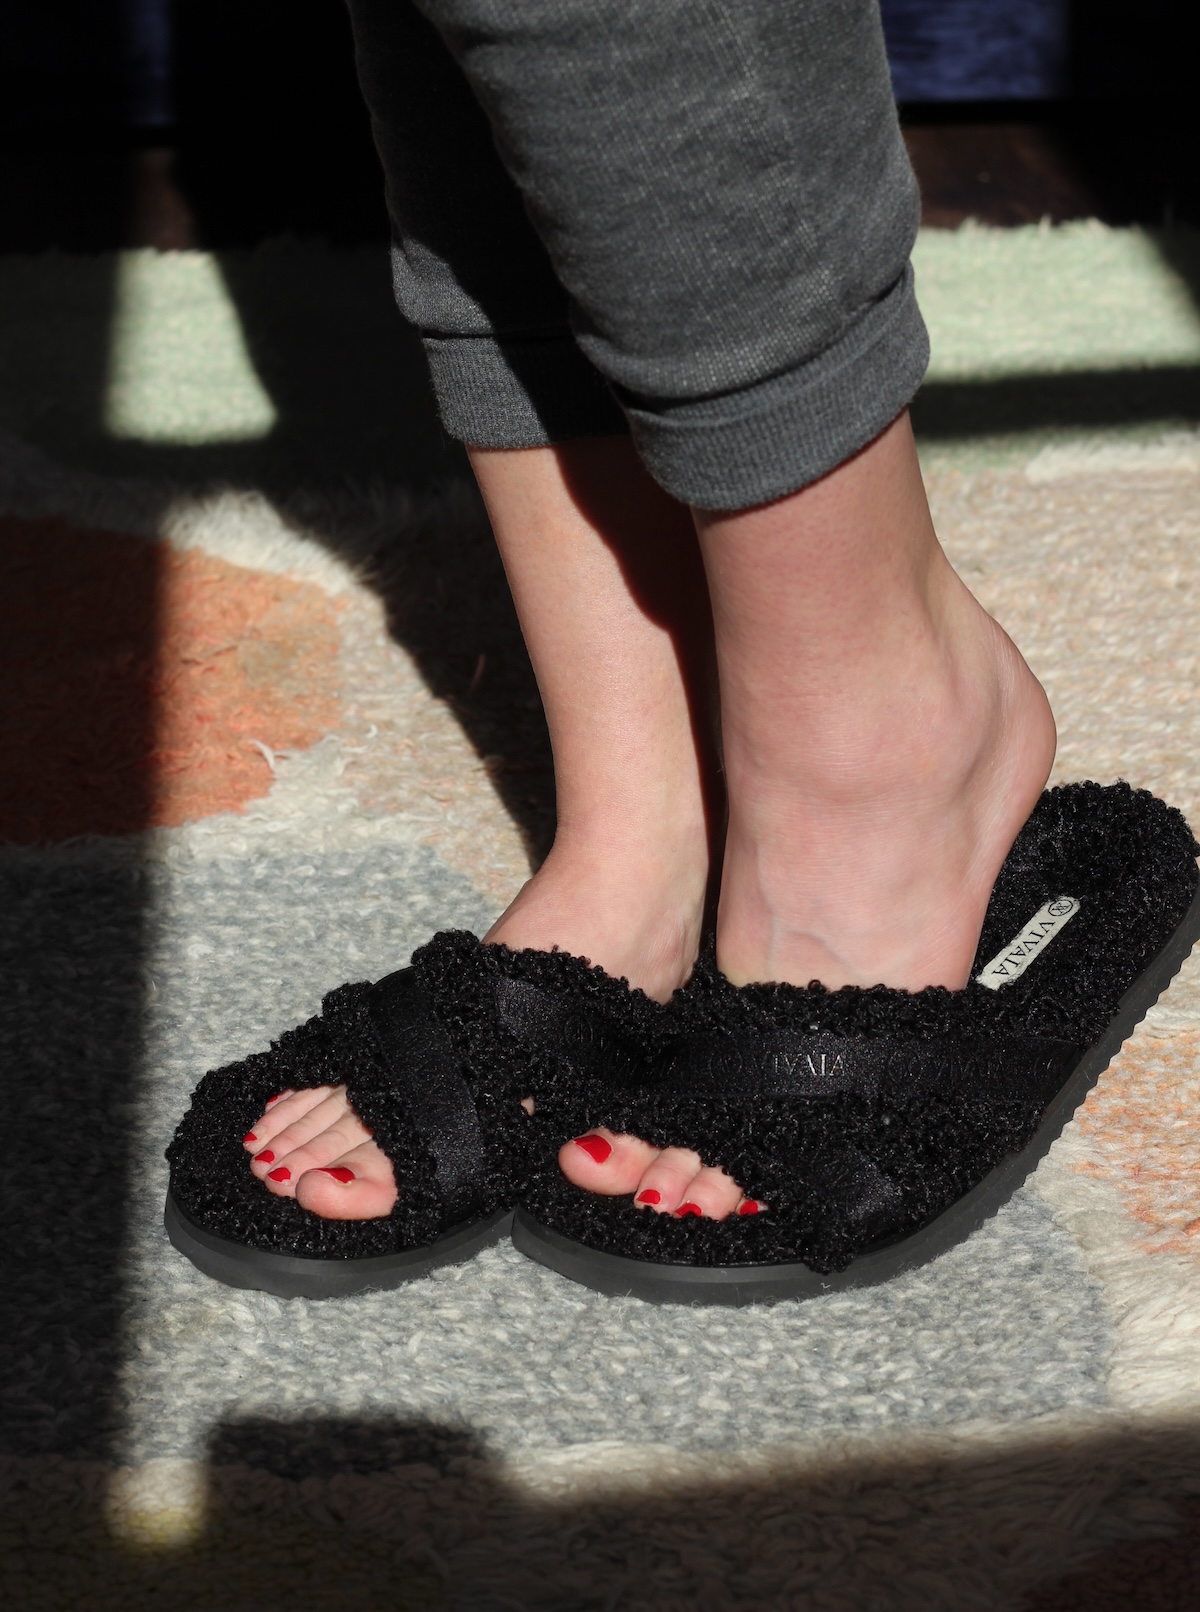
(748, 447)
(522, 393)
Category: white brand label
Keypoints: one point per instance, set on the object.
(1011, 963)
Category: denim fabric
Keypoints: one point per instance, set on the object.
(702, 210)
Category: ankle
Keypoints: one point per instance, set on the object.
(873, 860)
(634, 909)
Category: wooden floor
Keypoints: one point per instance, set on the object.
(1001, 173)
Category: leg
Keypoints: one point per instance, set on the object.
(884, 740)
(588, 539)
(725, 195)
(883, 743)
(752, 361)
(606, 574)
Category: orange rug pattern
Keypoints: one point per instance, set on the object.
(145, 687)
(1142, 1119)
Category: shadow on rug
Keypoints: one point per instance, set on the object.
(932, 1528)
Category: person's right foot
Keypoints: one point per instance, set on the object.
(606, 575)
(311, 1145)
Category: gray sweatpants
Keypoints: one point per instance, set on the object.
(690, 219)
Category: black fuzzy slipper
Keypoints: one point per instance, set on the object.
(881, 1127)
(435, 1059)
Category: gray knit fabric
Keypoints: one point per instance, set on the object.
(714, 199)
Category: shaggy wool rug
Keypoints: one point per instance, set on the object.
(266, 724)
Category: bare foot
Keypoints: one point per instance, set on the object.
(606, 574)
(312, 1146)
(641, 922)
(668, 1181)
(876, 866)
(884, 740)
(884, 743)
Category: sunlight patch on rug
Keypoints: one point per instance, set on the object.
(179, 369)
(1042, 300)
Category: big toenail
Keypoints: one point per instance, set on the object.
(749, 1207)
(688, 1209)
(249, 1137)
(339, 1172)
(265, 1157)
(595, 1147)
(284, 1174)
(649, 1196)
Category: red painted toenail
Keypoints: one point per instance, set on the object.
(748, 1208)
(249, 1137)
(265, 1157)
(688, 1209)
(282, 1174)
(595, 1146)
(339, 1172)
(649, 1196)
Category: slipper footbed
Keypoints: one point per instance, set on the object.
(210, 1179)
(844, 1172)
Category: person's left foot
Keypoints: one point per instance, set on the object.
(670, 1181)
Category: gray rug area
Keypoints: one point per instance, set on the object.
(499, 1355)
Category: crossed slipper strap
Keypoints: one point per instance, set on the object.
(798, 1063)
(1027, 1071)
(424, 1069)
(425, 1072)
(574, 1030)
(791, 1062)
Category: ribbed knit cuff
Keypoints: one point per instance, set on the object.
(748, 447)
(519, 393)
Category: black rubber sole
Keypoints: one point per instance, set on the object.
(618, 1275)
(291, 1277)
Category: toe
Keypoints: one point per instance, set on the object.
(664, 1184)
(277, 1177)
(281, 1112)
(678, 1182)
(357, 1185)
(603, 1162)
(318, 1136)
(710, 1193)
(330, 1148)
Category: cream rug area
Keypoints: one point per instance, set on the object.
(268, 725)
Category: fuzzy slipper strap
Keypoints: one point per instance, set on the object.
(575, 1029)
(886, 1073)
(419, 1065)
